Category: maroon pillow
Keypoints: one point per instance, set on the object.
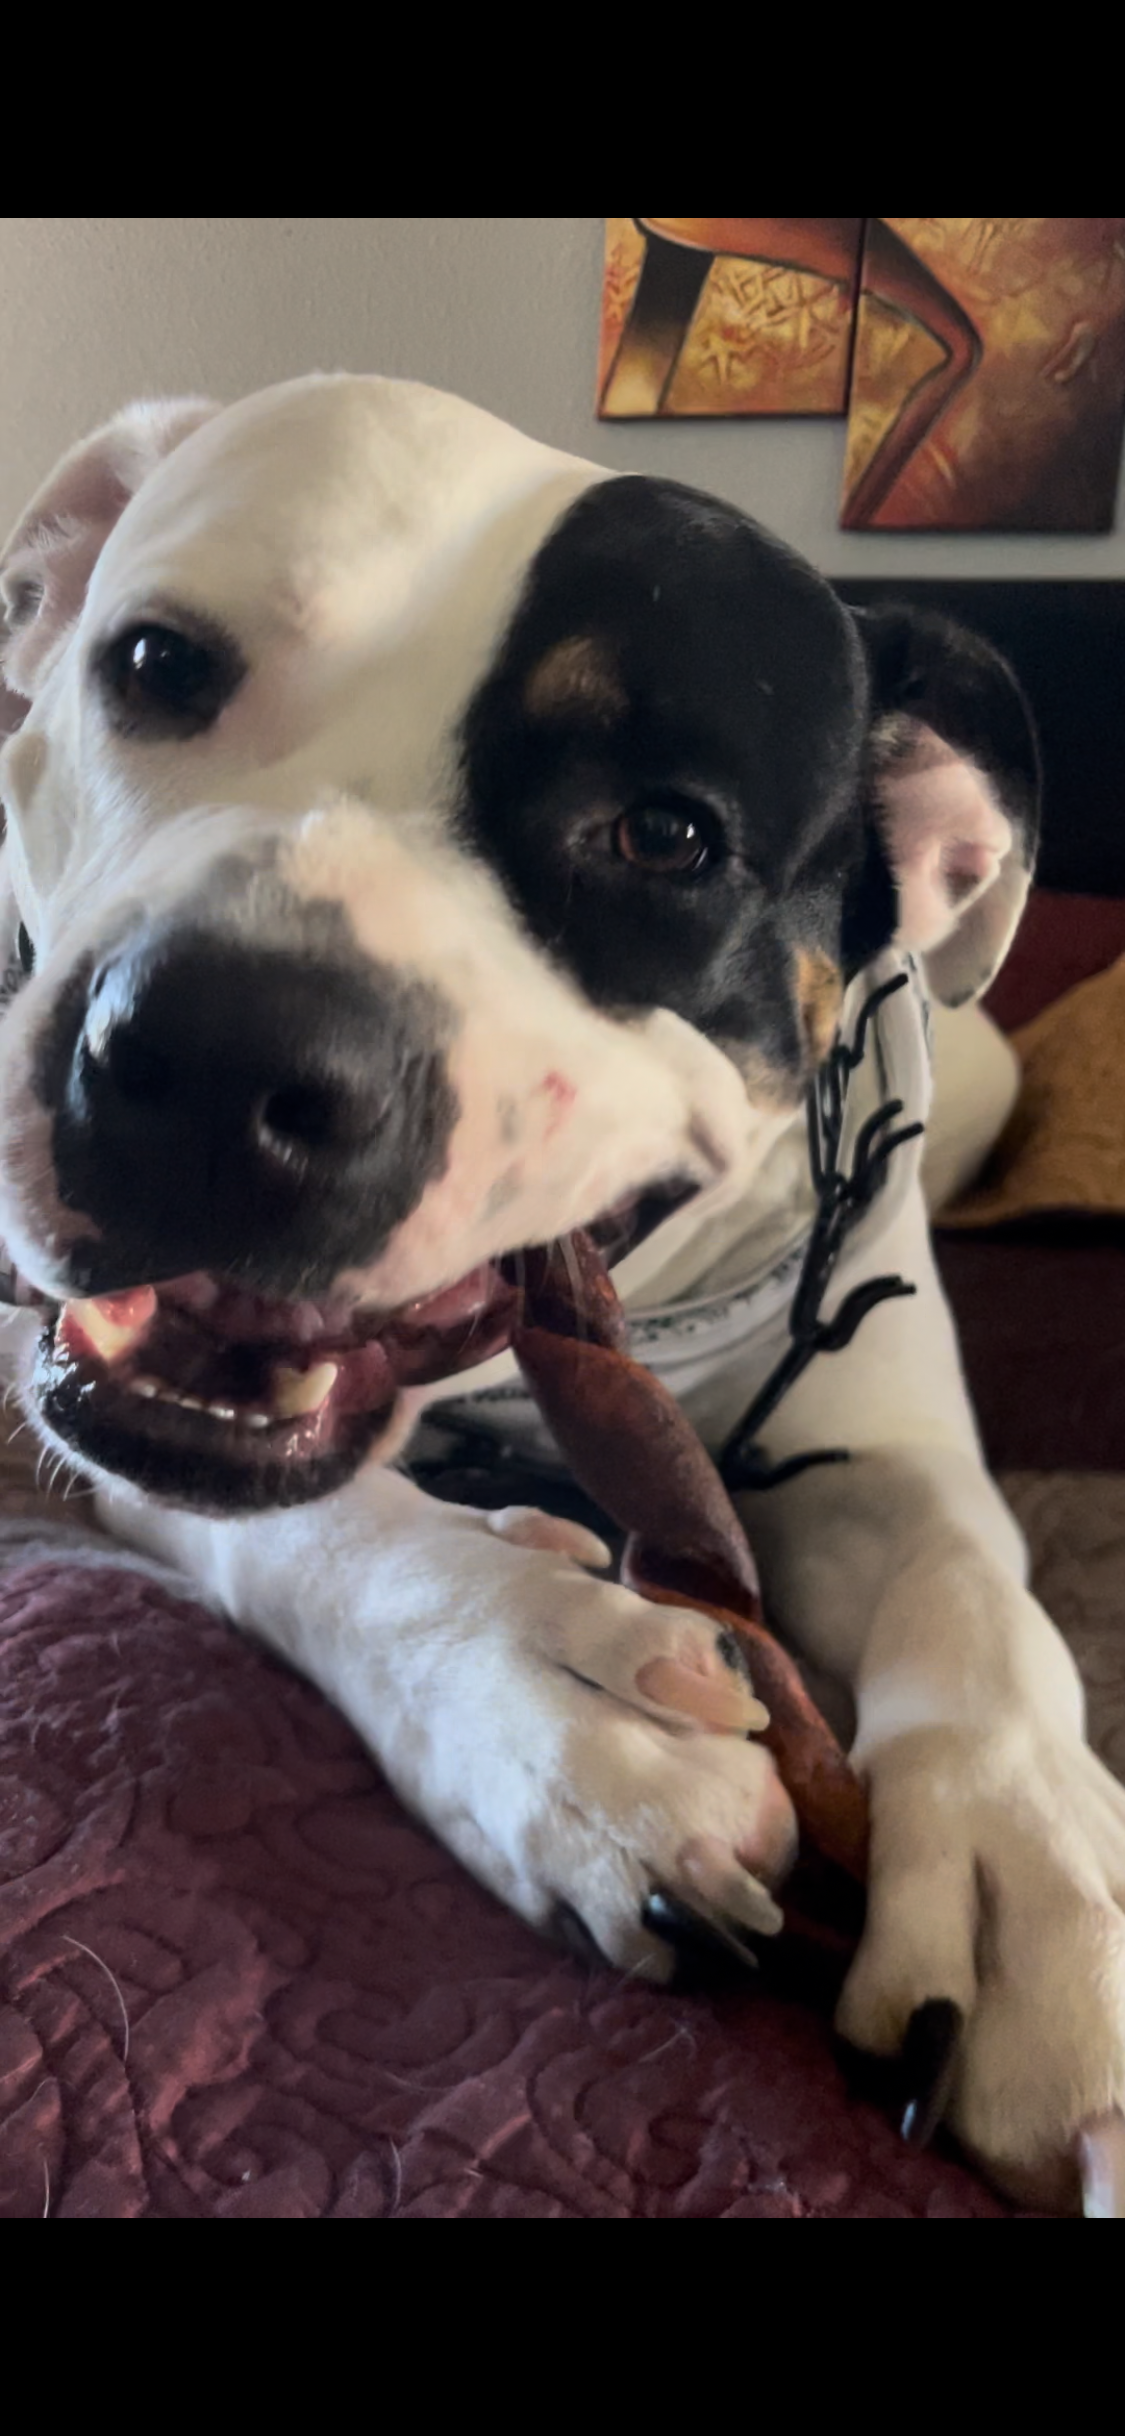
(1040, 1307)
(1061, 941)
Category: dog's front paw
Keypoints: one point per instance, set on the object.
(592, 1757)
(588, 1754)
(995, 1950)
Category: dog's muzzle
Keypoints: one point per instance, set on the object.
(232, 1108)
(237, 1128)
(233, 1127)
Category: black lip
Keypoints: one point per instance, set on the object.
(170, 1457)
(210, 1467)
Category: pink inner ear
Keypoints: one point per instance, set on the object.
(63, 556)
(49, 558)
(947, 839)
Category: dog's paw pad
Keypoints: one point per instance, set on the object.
(704, 1690)
(529, 1527)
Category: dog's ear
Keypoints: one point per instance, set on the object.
(48, 560)
(952, 797)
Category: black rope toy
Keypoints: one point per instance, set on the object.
(843, 1198)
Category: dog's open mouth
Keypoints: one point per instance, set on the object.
(203, 1392)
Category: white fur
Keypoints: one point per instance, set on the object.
(363, 540)
(977, 1080)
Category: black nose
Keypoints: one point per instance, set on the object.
(248, 1110)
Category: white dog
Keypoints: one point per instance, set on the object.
(420, 844)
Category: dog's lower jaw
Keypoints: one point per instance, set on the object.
(228, 1402)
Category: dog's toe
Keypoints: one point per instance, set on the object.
(918, 1948)
(993, 1966)
(672, 1663)
(530, 1527)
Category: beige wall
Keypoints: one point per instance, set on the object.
(95, 311)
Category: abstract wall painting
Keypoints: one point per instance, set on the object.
(988, 377)
(727, 317)
(981, 363)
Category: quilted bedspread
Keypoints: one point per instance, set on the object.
(236, 1980)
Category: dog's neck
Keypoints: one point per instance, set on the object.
(712, 1248)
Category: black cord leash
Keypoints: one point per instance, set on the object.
(495, 1475)
(843, 1198)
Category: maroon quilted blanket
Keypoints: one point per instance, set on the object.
(236, 1980)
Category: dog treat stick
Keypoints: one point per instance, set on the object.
(633, 1450)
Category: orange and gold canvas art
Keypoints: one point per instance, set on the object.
(727, 317)
(988, 381)
(981, 363)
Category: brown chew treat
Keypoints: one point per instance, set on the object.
(633, 1451)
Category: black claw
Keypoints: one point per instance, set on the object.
(569, 1928)
(703, 1945)
(927, 2066)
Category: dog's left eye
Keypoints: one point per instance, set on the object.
(670, 840)
(159, 682)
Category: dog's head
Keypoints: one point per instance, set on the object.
(421, 843)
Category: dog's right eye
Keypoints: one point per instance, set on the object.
(160, 682)
(670, 841)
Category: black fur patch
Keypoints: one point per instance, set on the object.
(667, 652)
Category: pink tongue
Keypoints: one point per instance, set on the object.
(133, 1309)
(453, 1305)
(453, 1330)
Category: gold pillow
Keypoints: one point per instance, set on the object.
(1063, 1147)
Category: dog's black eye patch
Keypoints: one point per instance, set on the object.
(158, 681)
(25, 948)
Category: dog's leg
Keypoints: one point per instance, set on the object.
(998, 1861)
(581, 1750)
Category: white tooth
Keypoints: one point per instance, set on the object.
(256, 1420)
(222, 1412)
(191, 1404)
(167, 1395)
(302, 1391)
(109, 1338)
(143, 1387)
